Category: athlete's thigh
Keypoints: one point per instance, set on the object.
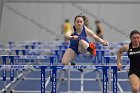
(69, 55)
(81, 49)
(134, 81)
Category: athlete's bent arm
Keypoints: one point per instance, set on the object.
(68, 34)
(119, 55)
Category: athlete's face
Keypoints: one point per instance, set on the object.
(135, 39)
(79, 22)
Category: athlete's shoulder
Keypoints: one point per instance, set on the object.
(125, 48)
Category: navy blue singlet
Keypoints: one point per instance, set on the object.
(74, 43)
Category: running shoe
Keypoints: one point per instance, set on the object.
(92, 48)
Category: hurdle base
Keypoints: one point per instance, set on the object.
(4, 91)
(11, 91)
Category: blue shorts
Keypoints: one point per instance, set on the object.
(74, 45)
(75, 49)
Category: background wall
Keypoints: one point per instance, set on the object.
(23, 21)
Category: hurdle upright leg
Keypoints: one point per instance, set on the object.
(114, 79)
(42, 79)
(51, 63)
(105, 79)
(54, 82)
(4, 73)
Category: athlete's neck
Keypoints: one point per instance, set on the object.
(135, 45)
(79, 29)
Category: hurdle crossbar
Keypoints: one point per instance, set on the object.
(54, 73)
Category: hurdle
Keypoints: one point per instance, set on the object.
(55, 68)
(109, 62)
(54, 74)
(24, 57)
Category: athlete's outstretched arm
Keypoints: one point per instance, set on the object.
(124, 48)
(93, 35)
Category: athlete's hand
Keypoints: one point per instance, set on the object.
(119, 66)
(74, 37)
(105, 43)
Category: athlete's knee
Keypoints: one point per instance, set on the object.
(64, 62)
(135, 89)
(81, 41)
